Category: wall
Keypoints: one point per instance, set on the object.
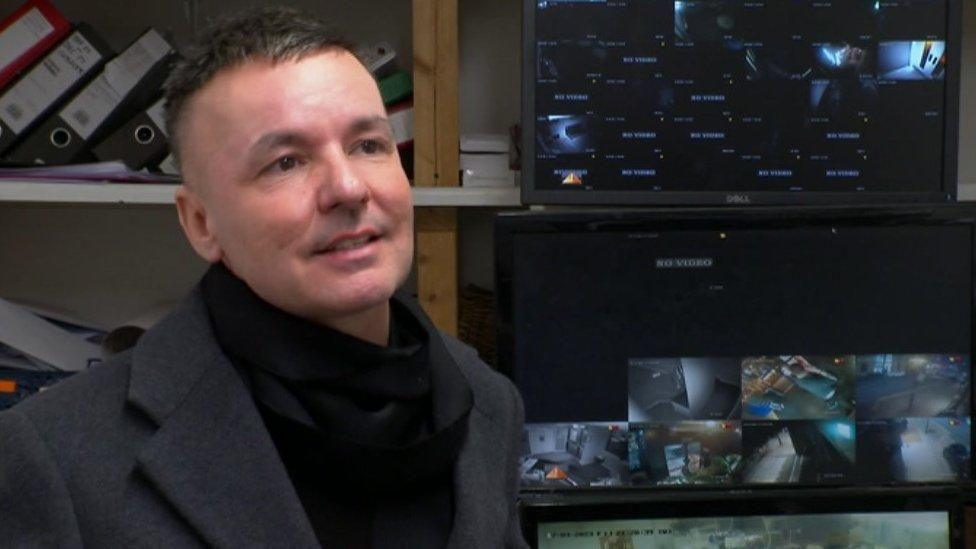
(490, 51)
(490, 44)
(105, 265)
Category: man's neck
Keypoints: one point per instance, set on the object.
(372, 325)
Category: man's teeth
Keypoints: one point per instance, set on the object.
(351, 243)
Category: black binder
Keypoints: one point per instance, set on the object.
(127, 83)
(141, 142)
(55, 78)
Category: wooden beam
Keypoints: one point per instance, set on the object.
(446, 113)
(424, 91)
(435, 71)
(437, 276)
(435, 83)
(969, 527)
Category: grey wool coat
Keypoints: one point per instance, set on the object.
(163, 446)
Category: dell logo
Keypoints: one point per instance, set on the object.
(737, 199)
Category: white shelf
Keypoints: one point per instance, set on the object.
(467, 196)
(67, 192)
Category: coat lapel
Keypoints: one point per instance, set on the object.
(479, 485)
(211, 456)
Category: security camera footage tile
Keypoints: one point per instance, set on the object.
(683, 388)
(574, 455)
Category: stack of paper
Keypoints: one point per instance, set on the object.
(114, 171)
(41, 343)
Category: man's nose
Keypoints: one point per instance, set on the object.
(342, 186)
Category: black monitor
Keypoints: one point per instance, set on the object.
(740, 102)
(718, 348)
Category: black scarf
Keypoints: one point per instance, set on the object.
(363, 420)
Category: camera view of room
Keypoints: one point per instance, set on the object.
(840, 92)
(912, 60)
(808, 452)
(686, 452)
(798, 387)
(673, 389)
(897, 386)
(574, 454)
(913, 450)
(703, 21)
(566, 134)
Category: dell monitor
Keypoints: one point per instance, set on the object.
(733, 102)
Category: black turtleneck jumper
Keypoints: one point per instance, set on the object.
(368, 434)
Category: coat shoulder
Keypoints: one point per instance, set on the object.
(495, 394)
(84, 398)
(82, 416)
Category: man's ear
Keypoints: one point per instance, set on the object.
(196, 224)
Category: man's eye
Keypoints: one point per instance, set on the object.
(284, 164)
(371, 146)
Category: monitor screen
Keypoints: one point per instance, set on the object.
(800, 347)
(892, 530)
(725, 101)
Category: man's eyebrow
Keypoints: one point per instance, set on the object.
(369, 123)
(273, 140)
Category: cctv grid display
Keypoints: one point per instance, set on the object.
(735, 95)
(805, 356)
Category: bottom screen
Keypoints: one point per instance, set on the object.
(876, 530)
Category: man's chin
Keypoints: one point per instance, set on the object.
(355, 301)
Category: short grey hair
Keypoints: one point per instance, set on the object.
(272, 33)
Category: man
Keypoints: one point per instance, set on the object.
(292, 399)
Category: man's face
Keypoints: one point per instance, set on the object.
(299, 183)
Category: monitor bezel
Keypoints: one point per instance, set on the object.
(947, 191)
(510, 224)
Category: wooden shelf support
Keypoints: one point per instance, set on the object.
(435, 75)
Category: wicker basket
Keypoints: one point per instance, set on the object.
(476, 322)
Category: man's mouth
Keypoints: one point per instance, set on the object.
(352, 243)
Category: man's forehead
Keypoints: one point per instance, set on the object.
(260, 78)
(258, 94)
(323, 95)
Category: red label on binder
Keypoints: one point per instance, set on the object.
(28, 33)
